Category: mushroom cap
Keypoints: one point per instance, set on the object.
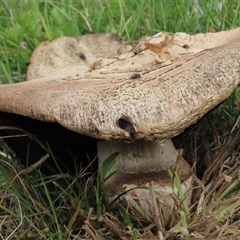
(166, 84)
(81, 52)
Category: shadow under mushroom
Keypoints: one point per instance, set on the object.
(31, 139)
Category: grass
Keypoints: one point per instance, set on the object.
(62, 206)
(24, 24)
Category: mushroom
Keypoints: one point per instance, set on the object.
(135, 102)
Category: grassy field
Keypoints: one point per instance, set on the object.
(62, 206)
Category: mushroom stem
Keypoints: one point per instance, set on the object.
(142, 167)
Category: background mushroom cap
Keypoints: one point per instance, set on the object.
(50, 57)
(181, 79)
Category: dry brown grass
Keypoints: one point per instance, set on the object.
(25, 213)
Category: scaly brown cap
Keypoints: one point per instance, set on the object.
(166, 84)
